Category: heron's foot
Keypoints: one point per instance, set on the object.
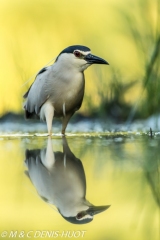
(50, 134)
(63, 132)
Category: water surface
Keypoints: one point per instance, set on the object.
(121, 170)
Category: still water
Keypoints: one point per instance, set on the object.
(80, 187)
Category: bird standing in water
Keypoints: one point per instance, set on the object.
(58, 90)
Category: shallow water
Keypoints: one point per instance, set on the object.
(117, 169)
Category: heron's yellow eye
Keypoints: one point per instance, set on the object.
(77, 54)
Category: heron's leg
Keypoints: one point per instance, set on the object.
(66, 149)
(65, 122)
(48, 157)
(49, 114)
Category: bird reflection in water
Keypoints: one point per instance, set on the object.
(59, 179)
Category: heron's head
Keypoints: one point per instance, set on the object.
(78, 57)
(86, 216)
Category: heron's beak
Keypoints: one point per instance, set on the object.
(91, 59)
(97, 209)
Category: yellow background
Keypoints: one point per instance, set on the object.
(34, 32)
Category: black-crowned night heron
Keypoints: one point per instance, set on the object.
(59, 179)
(58, 90)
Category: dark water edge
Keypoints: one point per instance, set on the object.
(12, 122)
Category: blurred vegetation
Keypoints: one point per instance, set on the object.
(125, 33)
(143, 26)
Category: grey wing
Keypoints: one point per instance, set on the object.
(37, 93)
